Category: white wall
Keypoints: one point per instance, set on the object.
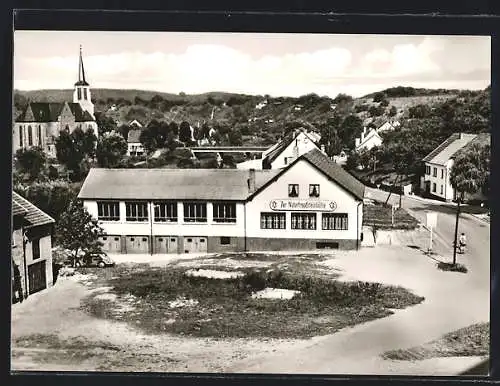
(371, 142)
(304, 145)
(303, 173)
(180, 228)
(448, 192)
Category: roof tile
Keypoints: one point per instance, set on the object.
(34, 215)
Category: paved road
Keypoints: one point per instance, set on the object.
(452, 301)
(477, 256)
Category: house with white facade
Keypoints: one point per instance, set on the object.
(134, 145)
(283, 153)
(40, 123)
(438, 163)
(369, 139)
(388, 126)
(311, 203)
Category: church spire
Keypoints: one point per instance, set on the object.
(81, 71)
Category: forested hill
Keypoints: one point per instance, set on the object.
(261, 119)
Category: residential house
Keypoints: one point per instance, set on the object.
(135, 123)
(369, 139)
(283, 153)
(438, 163)
(135, 147)
(311, 203)
(40, 123)
(31, 248)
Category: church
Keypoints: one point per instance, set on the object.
(40, 123)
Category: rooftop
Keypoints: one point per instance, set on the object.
(33, 215)
(448, 148)
(50, 112)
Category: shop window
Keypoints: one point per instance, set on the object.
(334, 221)
(272, 221)
(293, 190)
(136, 211)
(304, 221)
(225, 240)
(313, 190)
(195, 212)
(224, 212)
(108, 210)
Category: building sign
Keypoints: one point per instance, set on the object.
(315, 205)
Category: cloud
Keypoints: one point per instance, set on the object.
(217, 67)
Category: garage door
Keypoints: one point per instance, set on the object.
(137, 244)
(37, 277)
(111, 244)
(194, 244)
(165, 244)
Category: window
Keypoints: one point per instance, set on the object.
(35, 247)
(117, 239)
(225, 240)
(441, 189)
(190, 240)
(293, 190)
(165, 211)
(30, 136)
(144, 239)
(108, 211)
(303, 220)
(85, 93)
(136, 211)
(21, 129)
(434, 172)
(433, 186)
(79, 90)
(104, 238)
(313, 190)
(224, 212)
(428, 170)
(40, 135)
(442, 173)
(272, 221)
(195, 212)
(334, 221)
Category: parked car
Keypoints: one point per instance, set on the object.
(95, 259)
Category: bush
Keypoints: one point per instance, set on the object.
(444, 266)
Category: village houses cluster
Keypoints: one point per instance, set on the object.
(293, 197)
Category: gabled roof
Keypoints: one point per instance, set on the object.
(284, 143)
(447, 149)
(171, 184)
(50, 112)
(18, 209)
(134, 135)
(329, 168)
(34, 216)
(371, 134)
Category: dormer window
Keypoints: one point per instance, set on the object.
(293, 190)
(313, 190)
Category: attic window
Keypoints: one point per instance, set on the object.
(313, 190)
(293, 190)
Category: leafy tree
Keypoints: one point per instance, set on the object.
(111, 148)
(73, 149)
(185, 132)
(353, 160)
(419, 111)
(379, 96)
(148, 138)
(174, 128)
(31, 161)
(393, 111)
(123, 130)
(469, 173)
(376, 111)
(351, 127)
(384, 102)
(104, 123)
(342, 98)
(235, 137)
(77, 231)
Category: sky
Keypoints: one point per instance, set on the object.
(250, 63)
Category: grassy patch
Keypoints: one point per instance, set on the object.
(469, 341)
(444, 266)
(225, 308)
(379, 216)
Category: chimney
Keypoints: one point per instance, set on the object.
(323, 149)
(461, 136)
(251, 180)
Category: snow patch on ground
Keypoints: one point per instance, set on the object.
(212, 274)
(275, 293)
(182, 302)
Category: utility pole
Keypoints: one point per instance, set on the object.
(456, 231)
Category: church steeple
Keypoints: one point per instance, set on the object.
(81, 71)
(81, 94)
